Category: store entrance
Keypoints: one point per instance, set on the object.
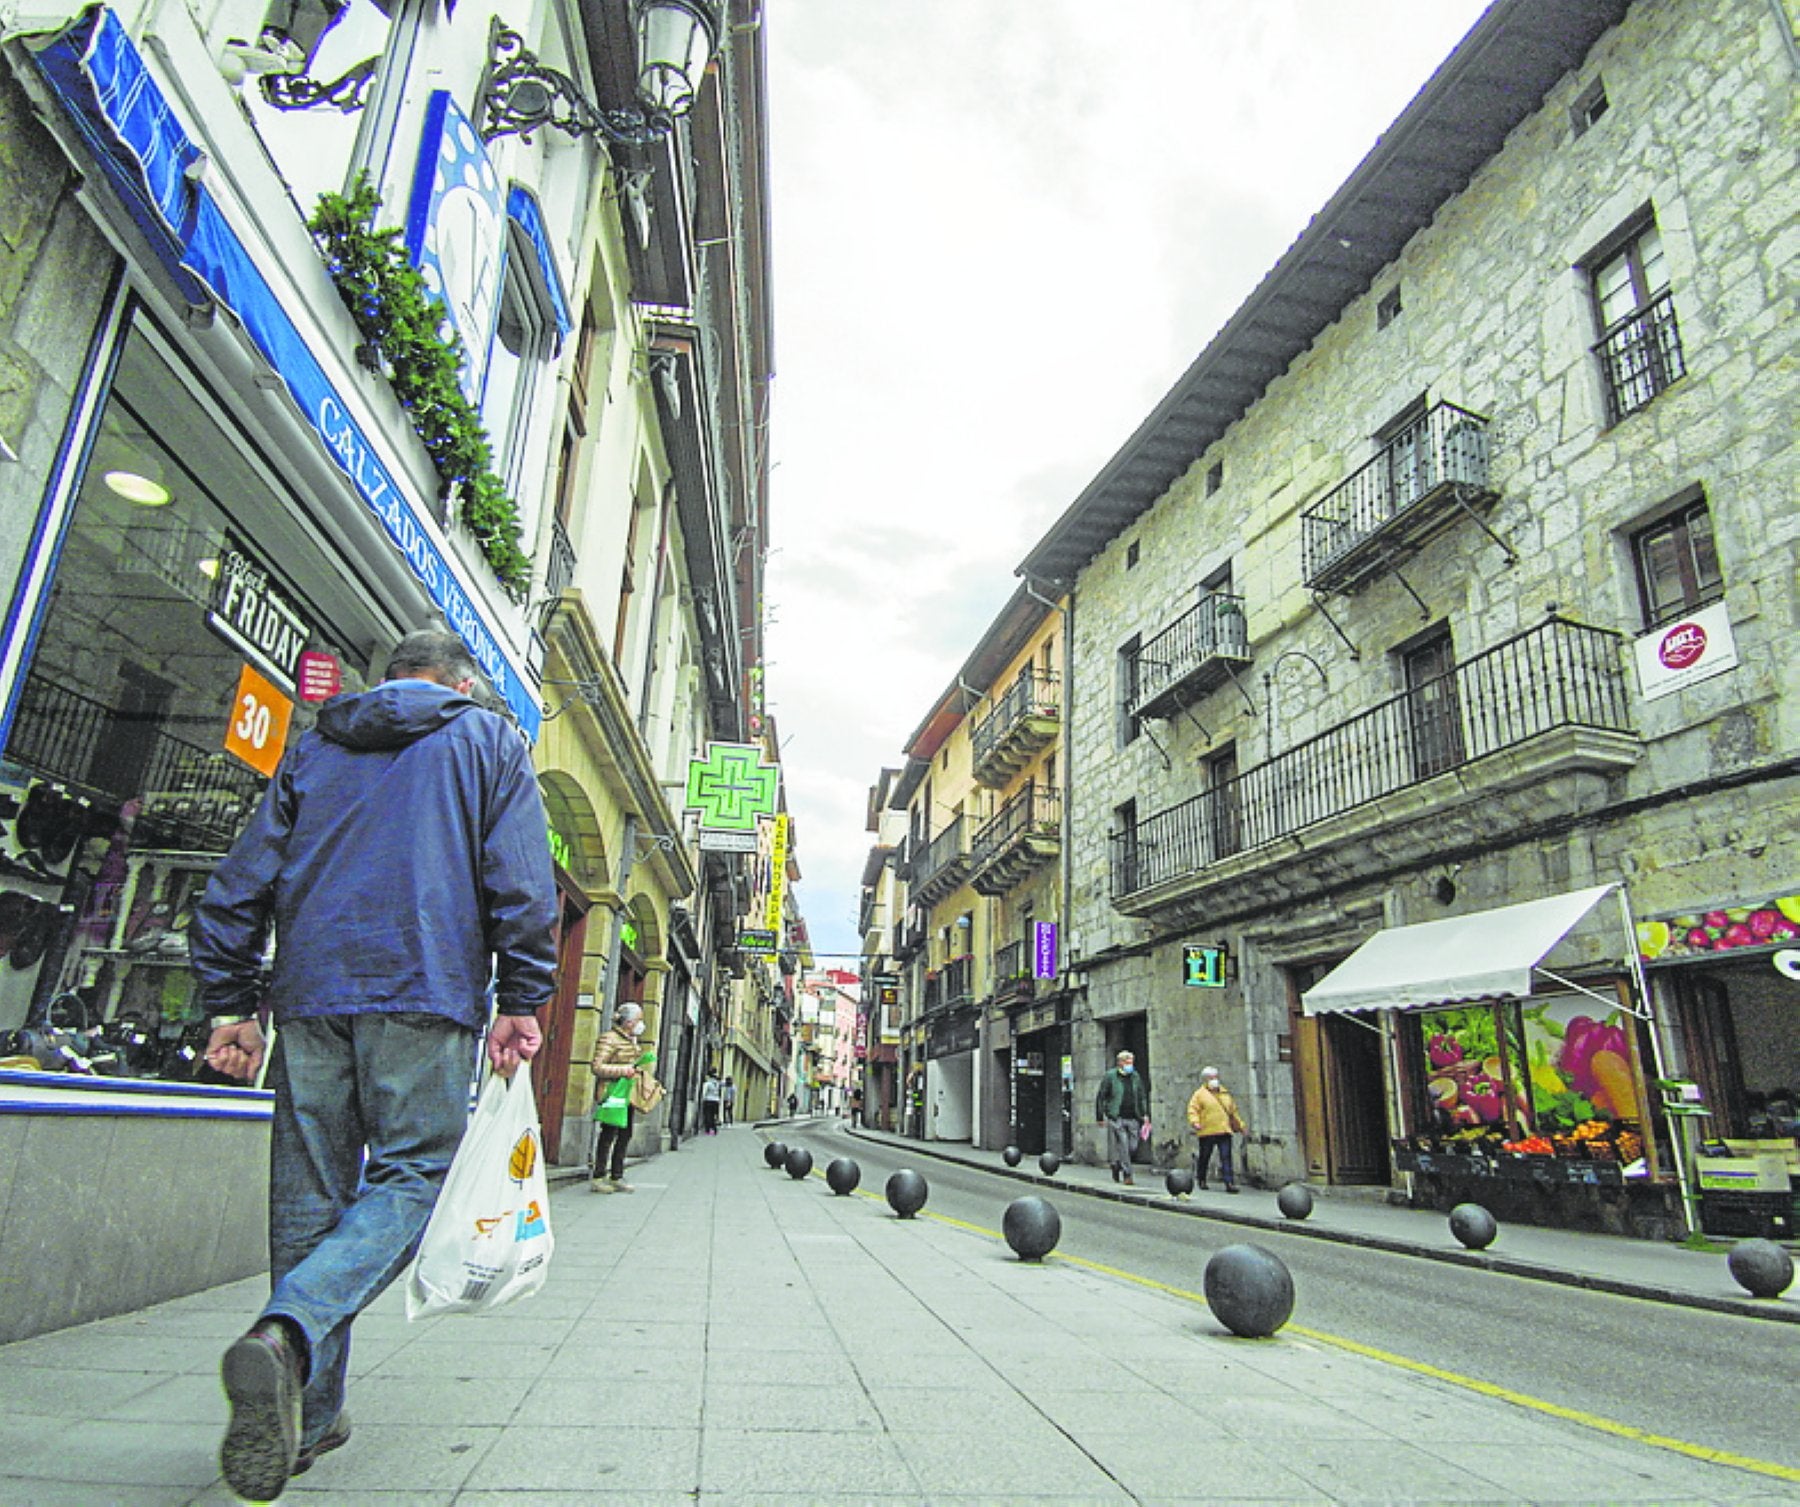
(550, 1068)
(1339, 1084)
(1031, 1098)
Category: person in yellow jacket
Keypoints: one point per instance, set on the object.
(1214, 1115)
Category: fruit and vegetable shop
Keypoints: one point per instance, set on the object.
(1528, 1071)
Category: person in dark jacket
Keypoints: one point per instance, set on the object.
(401, 856)
(1124, 1104)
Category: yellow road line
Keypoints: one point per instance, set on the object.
(1453, 1378)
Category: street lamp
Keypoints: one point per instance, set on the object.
(675, 39)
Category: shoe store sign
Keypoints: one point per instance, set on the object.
(1696, 648)
(250, 614)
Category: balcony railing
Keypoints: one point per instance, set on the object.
(1640, 356)
(1020, 725)
(1012, 974)
(1557, 675)
(943, 865)
(559, 571)
(1190, 656)
(1405, 493)
(958, 979)
(1022, 836)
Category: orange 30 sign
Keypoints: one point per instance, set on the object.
(260, 712)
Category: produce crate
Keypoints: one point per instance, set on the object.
(1770, 1216)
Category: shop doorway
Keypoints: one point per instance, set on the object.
(1130, 1033)
(949, 1094)
(1340, 1083)
(1031, 1098)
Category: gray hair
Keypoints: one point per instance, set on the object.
(627, 1012)
(435, 651)
(1209, 1072)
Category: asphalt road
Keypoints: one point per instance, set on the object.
(1712, 1380)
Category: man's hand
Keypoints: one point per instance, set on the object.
(236, 1050)
(513, 1039)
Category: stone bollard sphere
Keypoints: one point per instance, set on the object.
(1294, 1200)
(1761, 1267)
(799, 1163)
(1032, 1228)
(775, 1154)
(1012, 1156)
(1473, 1225)
(1048, 1163)
(842, 1176)
(906, 1192)
(1249, 1290)
(1179, 1181)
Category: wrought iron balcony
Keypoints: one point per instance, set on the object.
(1191, 656)
(909, 936)
(1013, 982)
(944, 864)
(559, 570)
(1018, 728)
(1640, 356)
(1414, 487)
(1510, 723)
(958, 979)
(1023, 835)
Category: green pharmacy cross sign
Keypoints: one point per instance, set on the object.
(731, 787)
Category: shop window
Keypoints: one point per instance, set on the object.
(1677, 565)
(1640, 343)
(182, 584)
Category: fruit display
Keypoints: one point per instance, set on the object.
(1532, 1145)
(1772, 923)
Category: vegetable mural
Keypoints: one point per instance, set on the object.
(1464, 1072)
(1580, 1064)
(1770, 924)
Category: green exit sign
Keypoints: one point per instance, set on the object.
(1204, 966)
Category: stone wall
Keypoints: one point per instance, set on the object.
(1495, 318)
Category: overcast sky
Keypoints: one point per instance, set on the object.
(1002, 229)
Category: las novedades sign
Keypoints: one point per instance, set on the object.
(1694, 648)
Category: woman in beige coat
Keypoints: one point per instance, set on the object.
(1214, 1115)
(617, 1055)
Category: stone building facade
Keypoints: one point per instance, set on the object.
(1520, 400)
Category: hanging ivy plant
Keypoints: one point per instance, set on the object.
(403, 327)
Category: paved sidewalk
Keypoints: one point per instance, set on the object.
(1655, 1270)
(728, 1334)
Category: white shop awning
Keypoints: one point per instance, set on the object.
(1488, 954)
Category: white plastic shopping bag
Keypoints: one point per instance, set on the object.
(489, 1238)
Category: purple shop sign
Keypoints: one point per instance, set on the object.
(1043, 950)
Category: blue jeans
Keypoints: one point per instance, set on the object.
(341, 1229)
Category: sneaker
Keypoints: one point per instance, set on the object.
(262, 1373)
(1231, 1187)
(1129, 1180)
(335, 1437)
(599, 1185)
(621, 1186)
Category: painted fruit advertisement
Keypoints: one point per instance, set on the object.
(1465, 1072)
(1578, 1057)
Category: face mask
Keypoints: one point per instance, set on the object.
(1126, 1067)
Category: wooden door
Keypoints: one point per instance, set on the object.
(550, 1068)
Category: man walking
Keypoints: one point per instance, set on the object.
(400, 854)
(1124, 1104)
(709, 1103)
(728, 1100)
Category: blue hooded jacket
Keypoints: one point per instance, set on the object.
(400, 849)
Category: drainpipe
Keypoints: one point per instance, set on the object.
(1786, 28)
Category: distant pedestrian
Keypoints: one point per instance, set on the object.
(1124, 1104)
(618, 1059)
(728, 1100)
(793, 1105)
(711, 1093)
(1214, 1115)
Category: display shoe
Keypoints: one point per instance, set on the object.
(263, 1377)
(335, 1437)
(34, 938)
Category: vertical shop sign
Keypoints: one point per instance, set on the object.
(778, 846)
(260, 713)
(455, 231)
(1043, 950)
